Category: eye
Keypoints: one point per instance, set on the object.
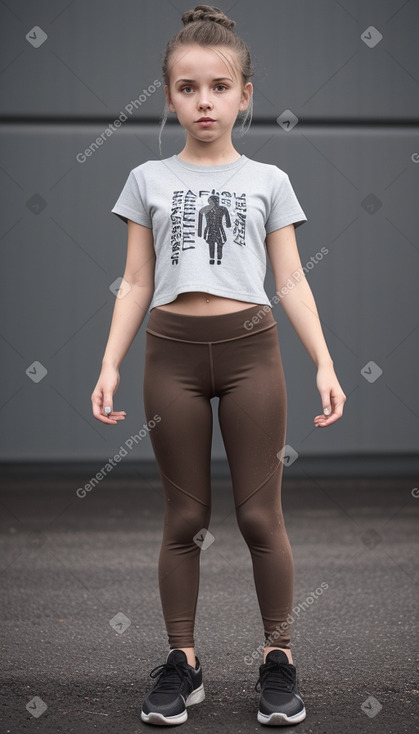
(183, 89)
(223, 86)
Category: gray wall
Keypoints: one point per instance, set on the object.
(353, 159)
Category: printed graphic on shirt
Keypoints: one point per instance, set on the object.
(209, 219)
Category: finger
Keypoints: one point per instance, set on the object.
(118, 416)
(100, 414)
(326, 401)
(107, 405)
(96, 404)
(326, 420)
(114, 414)
(322, 422)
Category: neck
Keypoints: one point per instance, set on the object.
(202, 153)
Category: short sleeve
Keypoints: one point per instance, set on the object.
(130, 204)
(285, 207)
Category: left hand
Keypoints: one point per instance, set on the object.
(332, 396)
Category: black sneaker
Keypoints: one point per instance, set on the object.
(280, 701)
(179, 685)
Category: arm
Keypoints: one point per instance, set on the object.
(300, 307)
(128, 314)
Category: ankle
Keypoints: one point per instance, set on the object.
(287, 652)
(190, 655)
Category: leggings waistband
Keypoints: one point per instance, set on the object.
(203, 329)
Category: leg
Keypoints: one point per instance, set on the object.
(252, 414)
(173, 378)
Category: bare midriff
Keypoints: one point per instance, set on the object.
(198, 303)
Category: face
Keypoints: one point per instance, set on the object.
(204, 85)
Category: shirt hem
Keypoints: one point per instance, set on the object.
(295, 219)
(252, 298)
(124, 213)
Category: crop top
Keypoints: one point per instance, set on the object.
(209, 223)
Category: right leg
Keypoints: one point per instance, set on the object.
(175, 379)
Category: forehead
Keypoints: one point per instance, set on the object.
(198, 62)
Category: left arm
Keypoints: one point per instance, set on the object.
(298, 303)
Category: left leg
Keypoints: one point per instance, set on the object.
(252, 415)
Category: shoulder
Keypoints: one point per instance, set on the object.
(269, 169)
(156, 167)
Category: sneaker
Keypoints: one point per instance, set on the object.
(280, 702)
(179, 685)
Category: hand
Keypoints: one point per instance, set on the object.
(102, 397)
(332, 396)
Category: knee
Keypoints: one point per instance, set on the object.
(184, 524)
(258, 526)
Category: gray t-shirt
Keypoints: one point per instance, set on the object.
(209, 223)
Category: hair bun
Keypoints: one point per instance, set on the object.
(207, 12)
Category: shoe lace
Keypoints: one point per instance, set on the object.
(280, 677)
(170, 673)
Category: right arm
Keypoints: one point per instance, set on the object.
(129, 312)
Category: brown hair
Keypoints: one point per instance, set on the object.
(207, 25)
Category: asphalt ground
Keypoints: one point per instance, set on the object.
(82, 625)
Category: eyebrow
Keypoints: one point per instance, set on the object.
(219, 79)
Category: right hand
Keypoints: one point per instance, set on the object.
(102, 396)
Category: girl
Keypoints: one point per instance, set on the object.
(197, 227)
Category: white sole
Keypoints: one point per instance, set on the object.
(278, 719)
(159, 720)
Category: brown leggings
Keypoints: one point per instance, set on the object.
(190, 359)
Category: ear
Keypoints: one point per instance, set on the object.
(246, 95)
(168, 98)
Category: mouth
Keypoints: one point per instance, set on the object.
(205, 122)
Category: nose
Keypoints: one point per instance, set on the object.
(204, 101)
